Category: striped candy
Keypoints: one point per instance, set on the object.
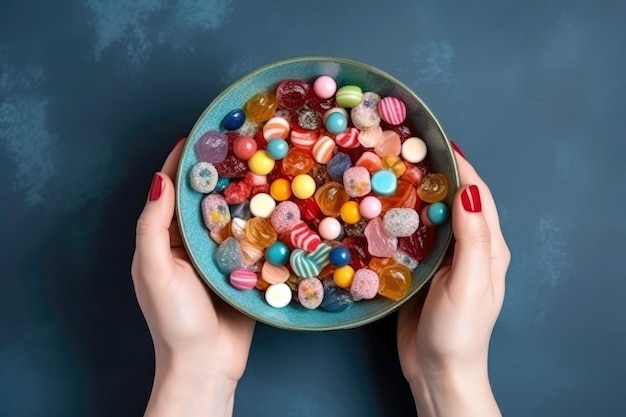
(348, 139)
(276, 127)
(303, 138)
(349, 96)
(303, 237)
(392, 110)
(323, 149)
(370, 137)
(307, 265)
(243, 279)
(274, 274)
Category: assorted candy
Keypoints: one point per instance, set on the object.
(319, 194)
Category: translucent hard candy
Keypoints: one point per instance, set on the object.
(377, 264)
(320, 175)
(221, 234)
(380, 242)
(420, 243)
(358, 249)
(433, 188)
(261, 107)
(395, 281)
(395, 164)
(356, 181)
(243, 279)
(405, 196)
(364, 284)
(401, 222)
(297, 161)
(348, 139)
(232, 166)
(336, 299)
(292, 94)
(319, 104)
(251, 253)
(215, 211)
(403, 131)
(356, 229)
(212, 147)
(310, 293)
(370, 161)
(311, 213)
(233, 120)
(337, 165)
(241, 210)
(285, 216)
(203, 177)
(390, 144)
(228, 255)
(330, 197)
(369, 138)
(260, 232)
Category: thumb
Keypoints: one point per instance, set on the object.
(472, 251)
(153, 250)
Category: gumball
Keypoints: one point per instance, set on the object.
(343, 276)
(277, 148)
(329, 228)
(370, 207)
(350, 212)
(244, 147)
(280, 189)
(277, 253)
(303, 186)
(324, 87)
(261, 163)
(340, 256)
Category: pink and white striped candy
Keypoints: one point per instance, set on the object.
(276, 127)
(323, 149)
(348, 139)
(304, 238)
(392, 110)
(243, 279)
(303, 138)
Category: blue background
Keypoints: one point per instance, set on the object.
(93, 94)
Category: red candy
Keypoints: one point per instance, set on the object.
(291, 94)
(357, 245)
(244, 147)
(320, 105)
(237, 192)
(420, 243)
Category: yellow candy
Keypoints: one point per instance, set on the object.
(303, 186)
(280, 189)
(343, 276)
(350, 212)
(395, 163)
(261, 163)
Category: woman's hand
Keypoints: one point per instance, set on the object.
(444, 333)
(201, 344)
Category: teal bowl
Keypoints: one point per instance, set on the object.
(201, 248)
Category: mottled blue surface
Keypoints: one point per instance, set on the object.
(93, 93)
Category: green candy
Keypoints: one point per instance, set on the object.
(349, 96)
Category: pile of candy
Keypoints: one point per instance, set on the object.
(314, 203)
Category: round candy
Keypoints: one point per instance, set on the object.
(274, 274)
(280, 189)
(303, 186)
(350, 212)
(329, 228)
(343, 276)
(278, 295)
(276, 127)
(349, 96)
(414, 150)
(291, 94)
(392, 110)
(384, 182)
(277, 148)
(356, 181)
(438, 213)
(243, 279)
(261, 163)
(336, 122)
(261, 107)
(285, 217)
(244, 147)
(262, 205)
(340, 256)
(370, 207)
(334, 110)
(433, 188)
(203, 177)
(324, 87)
(277, 253)
(234, 119)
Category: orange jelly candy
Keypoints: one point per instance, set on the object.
(395, 163)
(330, 197)
(377, 264)
(395, 281)
(405, 196)
(297, 161)
(434, 187)
(260, 233)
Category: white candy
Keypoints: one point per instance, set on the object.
(414, 150)
(262, 205)
(278, 295)
(329, 228)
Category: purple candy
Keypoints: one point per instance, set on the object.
(212, 147)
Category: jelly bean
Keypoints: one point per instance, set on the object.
(364, 284)
(280, 189)
(438, 213)
(274, 274)
(261, 163)
(310, 293)
(349, 96)
(262, 205)
(348, 139)
(340, 256)
(228, 255)
(324, 86)
(384, 182)
(291, 94)
(276, 127)
(401, 222)
(215, 211)
(244, 147)
(379, 241)
(243, 279)
(330, 197)
(336, 123)
(329, 228)
(343, 276)
(323, 149)
(433, 188)
(337, 165)
(356, 181)
(302, 237)
(278, 295)
(370, 207)
(370, 161)
(336, 300)
(368, 138)
(260, 233)
(395, 282)
(285, 217)
(212, 147)
(234, 119)
(277, 148)
(392, 110)
(203, 177)
(414, 150)
(303, 186)
(390, 145)
(261, 107)
(307, 118)
(277, 253)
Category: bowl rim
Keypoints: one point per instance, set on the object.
(180, 176)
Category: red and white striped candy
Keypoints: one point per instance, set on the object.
(243, 279)
(323, 149)
(392, 110)
(303, 138)
(304, 238)
(348, 139)
(276, 127)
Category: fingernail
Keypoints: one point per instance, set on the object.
(155, 187)
(456, 148)
(471, 199)
(179, 140)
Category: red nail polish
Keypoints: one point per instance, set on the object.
(456, 148)
(471, 199)
(179, 140)
(155, 187)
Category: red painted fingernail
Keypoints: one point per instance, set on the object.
(179, 140)
(471, 199)
(456, 148)
(155, 187)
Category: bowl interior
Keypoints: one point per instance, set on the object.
(201, 248)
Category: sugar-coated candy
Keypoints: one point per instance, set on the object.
(392, 110)
(298, 161)
(249, 128)
(244, 147)
(319, 174)
(336, 122)
(291, 94)
(389, 145)
(405, 259)
(303, 138)
(203, 177)
(278, 295)
(238, 228)
(234, 119)
(241, 210)
(370, 161)
(379, 241)
(350, 212)
(304, 238)
(368, 138)
(285, 217)
(307, 118)
(433, 188)
(420, 243)
(310, 293)
(323, 149)
(365, 114)
(329, 228)
(343, 276)
(280, 189)
(251, 253)
(277, 253)
(336, 300)
(261, 163)
(260, 233)
(401, 222)
(348, 139)
(356, 181)
(337, 165)
(395, 281)
(215, 211)
(228, 255)
(261, 107)
(364, 285)
(414, 150)
(243, 279)
(384, 182)
(438, 213)
(394, 163)
(324, 86)
(237, 192)
(274, 274)
(340, 256)
(306, 265)
(222, 183)
(262, 205)
(276, 127)
(370, 207)
(212, 147)
(349, 96)
(355, 229)
(277, 148)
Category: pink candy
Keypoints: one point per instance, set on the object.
(392, 110)
(348, 139)
(357, 181)
(379, 242)
(285, 217)
(304, 238)
(364, 285)
(243, 279)
(324, 87)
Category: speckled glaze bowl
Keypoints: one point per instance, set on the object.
(201, 248)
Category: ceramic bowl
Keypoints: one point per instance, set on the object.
(201, 248)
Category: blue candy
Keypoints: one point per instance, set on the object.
(241, 210)
(336, 299)
(228, 256)
(438, 213)
(277, 148)
(337, 165)
(278, 253)
(234, 120)
(384, 182)
(222, 183)
(336, 122)
(340, 256)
